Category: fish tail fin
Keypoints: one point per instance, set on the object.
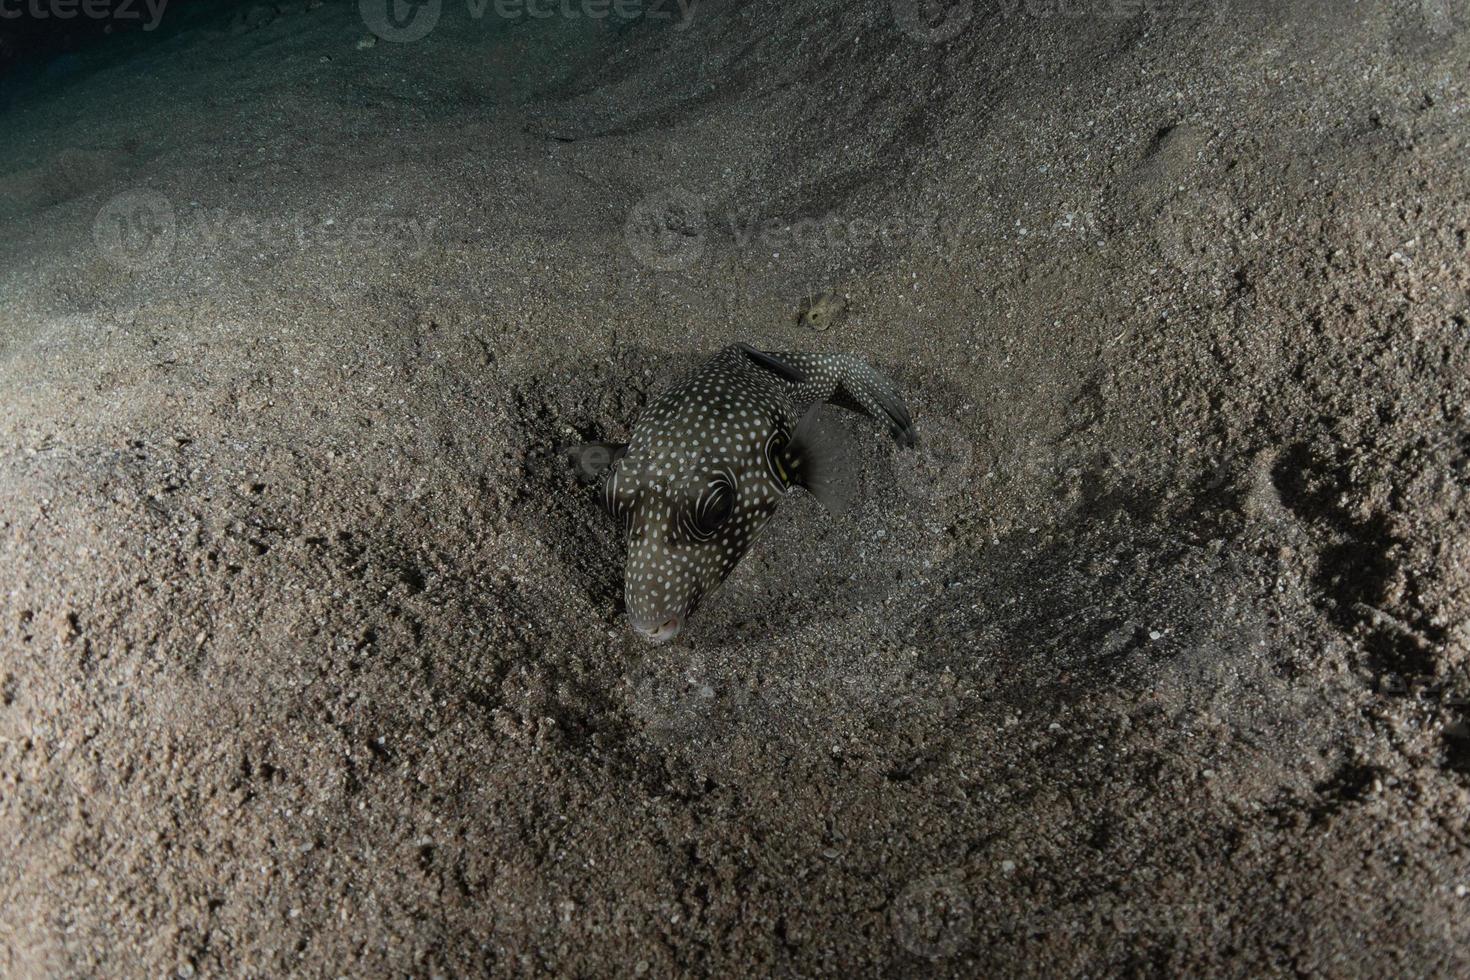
(865, 389)
(821, 464)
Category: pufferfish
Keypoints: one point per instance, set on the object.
(711, 459)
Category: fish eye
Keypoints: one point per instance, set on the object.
(712, 510)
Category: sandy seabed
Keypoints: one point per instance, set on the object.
(1151, 659)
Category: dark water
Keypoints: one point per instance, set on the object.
(48, 44)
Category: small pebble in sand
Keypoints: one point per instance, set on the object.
(1154, 634)
(822, 311)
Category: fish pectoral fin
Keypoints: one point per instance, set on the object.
(784, 368)
(818, 462)
(590, 461)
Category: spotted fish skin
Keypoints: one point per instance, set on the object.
(710, 460)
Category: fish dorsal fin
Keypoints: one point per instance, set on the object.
(818, 462)
(783, 369)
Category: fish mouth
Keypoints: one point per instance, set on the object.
(660, 632)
